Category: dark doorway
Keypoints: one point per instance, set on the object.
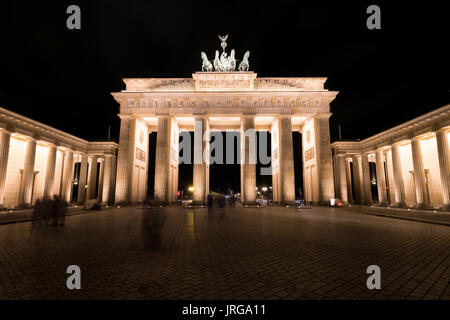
(76, 181)
(225, 177)
(298, 164)
(373, 181)
(186, 168)
(151, 165)
(264, 164)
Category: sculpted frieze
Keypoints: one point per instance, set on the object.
(229, 102)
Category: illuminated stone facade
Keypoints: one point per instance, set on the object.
(38, 161)
(409, 165)
(406, 166)
(224, 101)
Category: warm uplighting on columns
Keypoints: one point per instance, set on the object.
(343, 192)
(419, 173)
(26, 187)
(200, 166)
(67, 175)
(286, 156)
(399, 186)
(92, 183)
(162, 159)
(357, 179)
(366, 179)
(381, 177)
(324, 157)
(124, 159)
(5, 137)
(50, 172)
(107, 177)
(444, 165)
(248, 160)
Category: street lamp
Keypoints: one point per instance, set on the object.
(191, 188)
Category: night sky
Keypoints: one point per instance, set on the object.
(63, 77)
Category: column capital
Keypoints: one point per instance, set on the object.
(247, 115)
(380, 148)
(443, 129)
(125, 116)
(49, 144)
(201, 117)
(397, 143)
(324, 115)
(5, 130)
(30, 138)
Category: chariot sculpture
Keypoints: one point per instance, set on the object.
(224, 63)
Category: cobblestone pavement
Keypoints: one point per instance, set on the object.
(250, 253)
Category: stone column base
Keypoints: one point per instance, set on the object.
(446, 207)
(288, 203)
(421, 206)
(401, 205)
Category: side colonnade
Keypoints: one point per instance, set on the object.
(406, 166)
(39, 162)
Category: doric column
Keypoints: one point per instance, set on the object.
(5, 137)
(113, 178)
(107, 179)
(286, 156)
(50, 172)
(342, 174)
(200, 165)
(323, 157)
(444, 165)
(162, 160)
(83, 179)
(124, 160)
(367, 199)
(357, 179)
(92, 183)
(248, 160)
(26, 187)
(419, 173)
(67, 176)
(381, 177)
(100, 180)
(348, 177)
(399, 185)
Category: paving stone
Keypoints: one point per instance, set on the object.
(252, 253)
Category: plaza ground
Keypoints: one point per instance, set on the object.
(248, 253)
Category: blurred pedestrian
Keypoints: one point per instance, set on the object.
(37, 214)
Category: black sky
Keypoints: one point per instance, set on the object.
(63, 77)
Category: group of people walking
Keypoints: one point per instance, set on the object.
(220, 202)
(49, 212)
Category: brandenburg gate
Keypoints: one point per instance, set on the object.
(219, 100)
